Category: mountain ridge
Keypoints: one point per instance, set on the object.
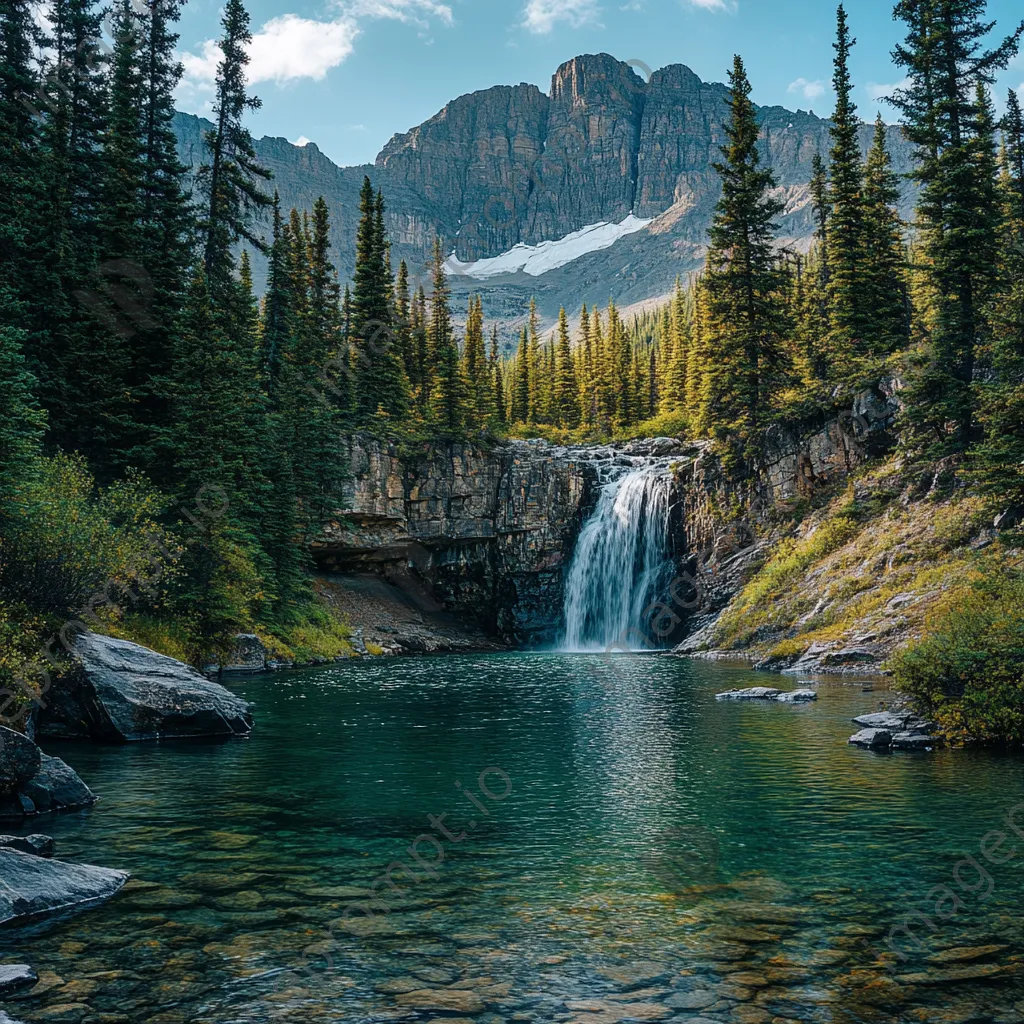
(513, 166)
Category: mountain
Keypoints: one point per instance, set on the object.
(604, 187)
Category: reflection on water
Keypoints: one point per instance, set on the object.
(660, 856)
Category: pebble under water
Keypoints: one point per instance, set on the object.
(658, 856)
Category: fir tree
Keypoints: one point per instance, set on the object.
(231, 183)
(521, 389)
(448, 393)
(848, 305)
(746, 327)
(945, 59)
(566, 390)
(497, 380)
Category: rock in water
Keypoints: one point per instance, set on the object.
(34, 886)
(19, 760)
(37, 846)
(873, 739)
(15, 977)
(122, 692)
(57, 787)
(753, 693)
(797, 697)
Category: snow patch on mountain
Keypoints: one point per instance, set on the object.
(539, 259)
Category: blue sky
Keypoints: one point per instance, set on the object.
(348, 74)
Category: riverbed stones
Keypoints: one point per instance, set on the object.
(35, 886)
(122, 692)
(450, 1000)
(637, 975)
(965, 954)
(15, 977)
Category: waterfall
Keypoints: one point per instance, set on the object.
(622, 563)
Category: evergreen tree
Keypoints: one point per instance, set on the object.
(945, 58)
(849, 323)
(448, 393)
(476, 370)
(521, 389)
(497, 380)
(22, 423)
(884, 257)
(566, 390)
(380, 382)
(231, 183)
(746, 326)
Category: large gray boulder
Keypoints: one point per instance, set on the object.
(122, 692)
(34, 887)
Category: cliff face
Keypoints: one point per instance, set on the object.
(482, 534)
(512, 165)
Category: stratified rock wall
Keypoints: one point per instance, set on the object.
(490, 532)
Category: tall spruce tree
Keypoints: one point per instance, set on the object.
(231, 183)
(849, 322)
(945, 58)
(746, 326)
(448, 393)
(566, 391)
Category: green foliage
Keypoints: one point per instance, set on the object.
(68, 547)
(968, 670)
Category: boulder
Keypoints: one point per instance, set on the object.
(15, 977)
(914, 741)
(122, 692)
(34, 886)
(248, 655)
(797, 697)
(57, 787)
(873, 739)
(19, 760)
(36, 845)
(752, 693)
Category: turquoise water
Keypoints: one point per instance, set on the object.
(658, 855)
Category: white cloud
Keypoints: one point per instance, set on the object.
(713, 5)
(541, 15)
(809, 90)
(289, 47)
(878, 93)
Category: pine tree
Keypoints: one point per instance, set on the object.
(566, 390)
(476, 370)
(231, 183)
(848, 304)
(520, 405)
(380, 382)
(497, 380)
(945, 58)
(746, 326)
(22, 423)
(448, 393)
(884, 258)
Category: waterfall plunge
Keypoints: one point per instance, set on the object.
(621, 564)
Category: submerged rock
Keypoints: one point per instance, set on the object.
(122, 692)
(34, 886)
